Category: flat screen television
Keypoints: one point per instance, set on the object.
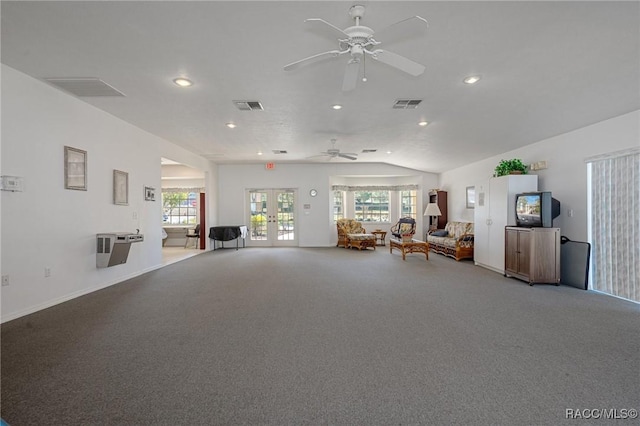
(536, 209)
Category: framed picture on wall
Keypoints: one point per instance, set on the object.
(149, 193)
(120, 188)
(471, 197)
(75, 168)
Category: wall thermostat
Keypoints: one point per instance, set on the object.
(313, 192)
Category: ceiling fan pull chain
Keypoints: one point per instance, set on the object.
(364, 67)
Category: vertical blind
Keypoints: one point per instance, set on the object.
(615, 223)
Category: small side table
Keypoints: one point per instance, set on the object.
(380, 237)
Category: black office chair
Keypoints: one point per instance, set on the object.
(195, 234)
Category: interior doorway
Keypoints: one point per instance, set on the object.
(182, 198)
(272, 217)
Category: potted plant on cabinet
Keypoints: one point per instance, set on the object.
(510, 167)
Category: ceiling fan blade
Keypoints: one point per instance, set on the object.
(311, 59)
(347, 156)
(402, 29)
(399, 62)
(351, 75)
(342, 34)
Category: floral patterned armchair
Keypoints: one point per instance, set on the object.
(404, 229)
(352, 234)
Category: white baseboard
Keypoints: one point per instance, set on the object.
(75, 294)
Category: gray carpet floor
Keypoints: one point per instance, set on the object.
(297, 336)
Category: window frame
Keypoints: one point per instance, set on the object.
(185, 208)
(374, 198)
(413, 205)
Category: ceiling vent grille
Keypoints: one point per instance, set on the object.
(279, 151)
(368, 151)
(248, 105)
(84, 87)
(407, 103)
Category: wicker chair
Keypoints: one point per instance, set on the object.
(352, 234)
(404, 229)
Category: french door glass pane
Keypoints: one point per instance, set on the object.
(286, 223)
(258, 205)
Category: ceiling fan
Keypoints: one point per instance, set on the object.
(334, 152)
(359, 42)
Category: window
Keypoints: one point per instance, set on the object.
(338, 205)
(371, 206)
(408, 203)
(179, 208)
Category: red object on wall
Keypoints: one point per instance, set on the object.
(203, 242)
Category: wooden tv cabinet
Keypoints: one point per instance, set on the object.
(532, 254)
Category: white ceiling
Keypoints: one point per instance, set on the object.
(547, 68)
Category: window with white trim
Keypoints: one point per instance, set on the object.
(179, 208)
(371, 206)
(409, 203)
(338, 205)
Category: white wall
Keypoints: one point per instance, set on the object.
(47, 226)
(566, 175)
(316, 229)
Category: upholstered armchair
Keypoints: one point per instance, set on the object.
(404, 229)
(352, 234)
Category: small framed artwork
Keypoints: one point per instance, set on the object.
(75, 168)
(149, 193)
(471, 197)
(120, 188)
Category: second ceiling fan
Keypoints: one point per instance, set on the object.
(334, 152)
(359, 42)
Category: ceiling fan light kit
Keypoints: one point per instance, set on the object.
(359, 42)
(334, 152)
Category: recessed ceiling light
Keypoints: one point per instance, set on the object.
(259, 152)
(423, 123)
(183, 82)
(472, 79)
(336, 106)
(388, 152)
(231, 125)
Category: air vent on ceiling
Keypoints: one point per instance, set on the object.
(367, 151)
(248, 105)
(84, 87)
(407, 103)
(279, 151)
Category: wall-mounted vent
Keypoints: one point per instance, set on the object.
(407, 103)
(368, 151)
(248, 105)
(279, 151)
(84, 87)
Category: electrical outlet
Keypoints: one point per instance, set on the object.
(47, 272)
(5, 280)
(570, 212)
(135, 215)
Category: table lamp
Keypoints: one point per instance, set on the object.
(432, 210)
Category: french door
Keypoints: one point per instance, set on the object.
(272, 217)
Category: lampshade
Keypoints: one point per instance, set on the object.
(432, 210)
